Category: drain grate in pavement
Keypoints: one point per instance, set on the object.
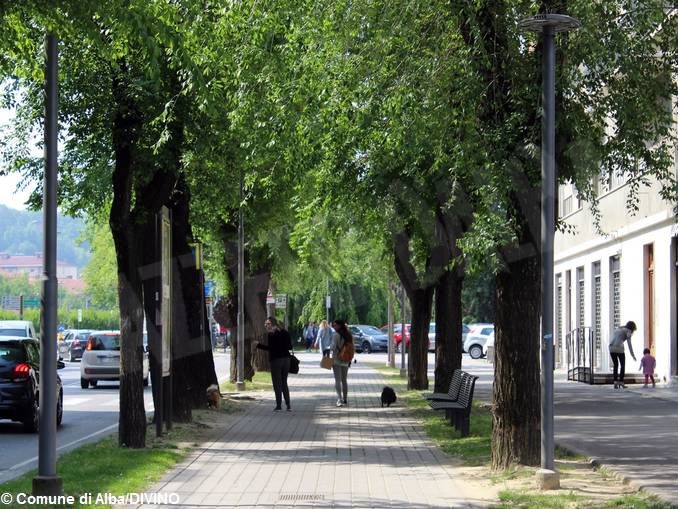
(300, 497)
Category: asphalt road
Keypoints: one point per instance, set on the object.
(89, 414)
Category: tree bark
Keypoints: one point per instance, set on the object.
(124, 229)
(516, 397)
(448, 328)
(192, 360)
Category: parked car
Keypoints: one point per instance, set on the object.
(74, 343)
(397, 334)
(489, 348)
(17, 328)
(432, 337)
(476, 339)
(101, 359)
(20, 382)
(367, 338)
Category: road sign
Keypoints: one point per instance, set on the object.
(79, 315)
(281, 300)
(270, 299)
(328, 302)
(208, 288)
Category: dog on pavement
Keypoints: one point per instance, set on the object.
(213, 397)
(388, 396)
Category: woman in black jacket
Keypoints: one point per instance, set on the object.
(279, 346)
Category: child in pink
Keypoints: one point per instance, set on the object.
(647, 364)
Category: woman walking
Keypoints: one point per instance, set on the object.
(340, 337)
(324, 339)
(279, 346)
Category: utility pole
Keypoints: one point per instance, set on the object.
(548, 25)
(47, 482)
(240, 361)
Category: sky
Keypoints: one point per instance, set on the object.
(8, 194)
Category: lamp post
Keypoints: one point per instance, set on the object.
(240, 360)
(47, 482)
(548, 25)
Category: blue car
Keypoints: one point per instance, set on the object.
(367, 338)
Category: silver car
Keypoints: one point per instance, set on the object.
(101, 359)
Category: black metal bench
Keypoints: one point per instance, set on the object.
(459, 412)
(453, 392)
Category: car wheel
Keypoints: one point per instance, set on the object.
(32, 420)
(93, 383)
(476, 352)
(84, 383)
(60, 408)
(366, 347)
(146, 382)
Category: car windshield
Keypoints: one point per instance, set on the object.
(371, 330)
(82, 336)
(105, 342)
(12, 352)
(13, 332)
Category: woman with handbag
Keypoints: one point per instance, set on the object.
(279, 346)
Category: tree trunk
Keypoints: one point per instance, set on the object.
(448, 328)
(256, 288)
(126, 125)
(516, 403)
(417, 360)
(192, 360)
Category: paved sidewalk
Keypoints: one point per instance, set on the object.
(633, 432)
(319, 455)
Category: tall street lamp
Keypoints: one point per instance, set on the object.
(47, 482)
(548, 25)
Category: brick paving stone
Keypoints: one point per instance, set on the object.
(318, 455)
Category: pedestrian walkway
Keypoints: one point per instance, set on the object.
(632, 432)
(319, 455)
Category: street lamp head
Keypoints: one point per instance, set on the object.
(555, 22)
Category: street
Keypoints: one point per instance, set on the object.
(89, 414)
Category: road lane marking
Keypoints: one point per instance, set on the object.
(103, 430)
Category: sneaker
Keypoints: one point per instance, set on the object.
(339, 402)
(345, 402)
(644, 386)
(277, 409)
(289, 408)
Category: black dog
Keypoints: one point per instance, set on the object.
(388, 396)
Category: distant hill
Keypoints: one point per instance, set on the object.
(21, 234)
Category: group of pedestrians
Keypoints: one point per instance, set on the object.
(617, 353)
(330, 340)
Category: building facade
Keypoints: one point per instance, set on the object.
(626, 271)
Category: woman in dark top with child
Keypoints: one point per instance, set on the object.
(279, 346)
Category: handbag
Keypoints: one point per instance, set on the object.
(326, 362)
(294, 364)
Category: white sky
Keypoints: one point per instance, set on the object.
(8, 194)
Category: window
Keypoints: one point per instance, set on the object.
(597, 321)
(615, 291)
(581, 312)
(559, 320)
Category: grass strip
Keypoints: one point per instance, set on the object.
(261, 381)
(104, 467)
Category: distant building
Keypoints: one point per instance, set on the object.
(32, 266)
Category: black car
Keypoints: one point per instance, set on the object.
(76, 341)
(20, 382)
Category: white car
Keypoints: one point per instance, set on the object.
(101, 359)
(476, 339)
(17, 328)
